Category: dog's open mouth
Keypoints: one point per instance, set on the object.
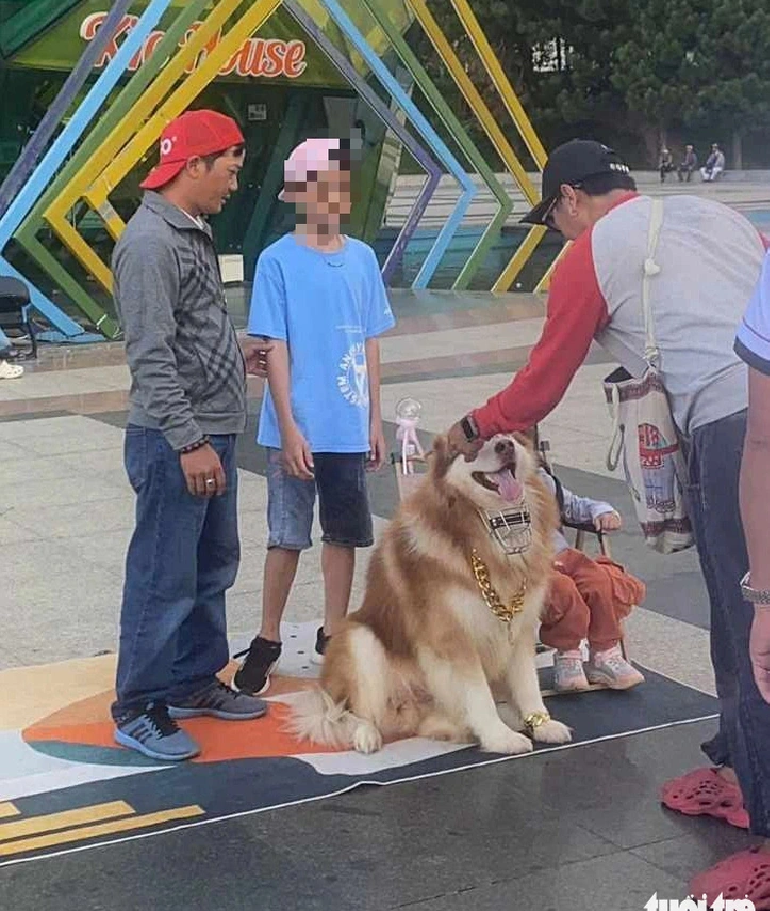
(502, 482)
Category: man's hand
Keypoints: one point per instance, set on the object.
(376, 447)
(296, 456)
(609, 521)
(759, 650)
(458, 443)
(203, 472)
(255, 352)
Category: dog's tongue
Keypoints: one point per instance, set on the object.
(510, 489)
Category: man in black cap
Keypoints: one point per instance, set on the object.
(709, 259)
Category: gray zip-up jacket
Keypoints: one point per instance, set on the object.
(188, 377)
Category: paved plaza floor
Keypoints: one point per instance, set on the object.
(566, 830)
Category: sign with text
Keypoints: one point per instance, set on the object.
(265, 57)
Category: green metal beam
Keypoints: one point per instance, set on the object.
(33, 18)
(26, 236)
(271, 185)
(460, 136)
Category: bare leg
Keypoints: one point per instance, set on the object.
(280, 570)
(338, 565)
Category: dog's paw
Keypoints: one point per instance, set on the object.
(367, 739)
(504, 740)
(552, 732)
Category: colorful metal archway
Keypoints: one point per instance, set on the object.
(173, 77)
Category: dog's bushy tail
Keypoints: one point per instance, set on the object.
(315, 716)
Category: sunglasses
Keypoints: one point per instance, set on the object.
(548, 218)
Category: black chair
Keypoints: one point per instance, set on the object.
(14, 314)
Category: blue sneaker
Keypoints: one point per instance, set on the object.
(155, 734)
(217, 700)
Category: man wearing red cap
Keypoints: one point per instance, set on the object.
(188, 403)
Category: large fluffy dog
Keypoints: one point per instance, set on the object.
(425, 652)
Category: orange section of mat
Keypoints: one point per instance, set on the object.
(88, 723)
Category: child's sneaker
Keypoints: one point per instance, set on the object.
(570, 676)
(610, 669)
(321, 641)
(253, 676)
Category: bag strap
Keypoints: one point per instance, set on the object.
(651, 351)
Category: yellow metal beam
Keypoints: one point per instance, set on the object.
(500, 81)
(519, 259)
(7, 809)
(520, 119)
(115, 827)
(545, 281)
(144, 107)
(472, 95)
(253, 18)
(53, 822)
(56, 214)
(490, 126)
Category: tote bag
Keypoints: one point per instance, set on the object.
(644, 433)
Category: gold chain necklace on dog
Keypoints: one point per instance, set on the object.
(504, 612)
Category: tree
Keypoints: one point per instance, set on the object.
(572, 93)
(699, 65)
(629, 73)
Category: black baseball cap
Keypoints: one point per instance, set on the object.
(572, 163)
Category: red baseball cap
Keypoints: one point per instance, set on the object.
(193, 134)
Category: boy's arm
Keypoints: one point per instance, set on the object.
(379, 319)
(376, 437)
(297, 457)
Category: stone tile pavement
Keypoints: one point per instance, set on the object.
(66, 510)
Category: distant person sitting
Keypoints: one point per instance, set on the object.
(8, 371)
(665, 163)
(688, 164)
(715, 164)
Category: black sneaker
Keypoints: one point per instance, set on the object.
(321, 641)
(253, 676)
(219, 701)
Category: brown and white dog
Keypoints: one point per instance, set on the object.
(424, 653)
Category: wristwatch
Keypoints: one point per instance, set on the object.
(469, 428)
(752, 595)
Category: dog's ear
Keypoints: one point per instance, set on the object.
(441, 458)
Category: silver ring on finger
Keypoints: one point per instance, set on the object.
(210, 481)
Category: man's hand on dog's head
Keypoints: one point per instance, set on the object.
(458, 443)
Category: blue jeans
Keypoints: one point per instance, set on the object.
(5, 342)
(743, 742)
(183, 557)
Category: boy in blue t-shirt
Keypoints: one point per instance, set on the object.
(319, 297)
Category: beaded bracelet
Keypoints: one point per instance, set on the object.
(203, 441)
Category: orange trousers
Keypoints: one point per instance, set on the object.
(587, 599)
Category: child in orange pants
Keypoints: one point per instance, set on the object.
(588, 599)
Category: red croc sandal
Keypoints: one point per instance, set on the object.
(703, 792)
(742, 876)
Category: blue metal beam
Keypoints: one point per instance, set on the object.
(57, 154)
(435, 142)
(25, 163)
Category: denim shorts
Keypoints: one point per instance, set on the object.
(343, 502)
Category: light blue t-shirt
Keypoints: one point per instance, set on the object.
(324, 306)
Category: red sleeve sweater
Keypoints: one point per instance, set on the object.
(576, 311)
